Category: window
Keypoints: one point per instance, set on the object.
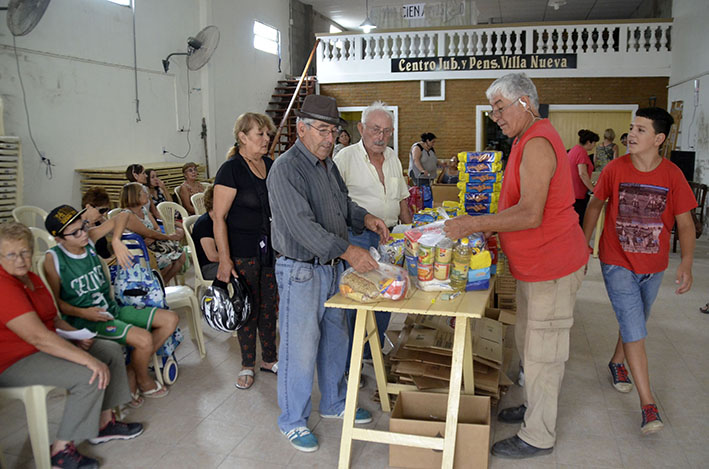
(266, 38)
(433, 90)
(125, 3)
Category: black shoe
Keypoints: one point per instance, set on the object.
(512, 414)
(516, 448)
(115, 430)
(70, 458)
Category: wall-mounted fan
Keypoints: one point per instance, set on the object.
(199, 49)
(23, 15)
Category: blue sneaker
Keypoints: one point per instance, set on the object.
(361, 416)
(302, 439)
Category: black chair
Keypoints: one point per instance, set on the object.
(700, 192)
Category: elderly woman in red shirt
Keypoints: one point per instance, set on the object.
(31, 352)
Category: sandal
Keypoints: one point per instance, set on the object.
(245, 372)
(704, 309)
(157, 393)
(273, 369)
(137, 401)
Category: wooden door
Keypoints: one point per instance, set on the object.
(568, 123)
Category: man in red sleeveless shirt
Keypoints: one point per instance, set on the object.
(541, 236)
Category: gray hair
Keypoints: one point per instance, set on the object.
(305, 120)
(377, 106)
(513, 86)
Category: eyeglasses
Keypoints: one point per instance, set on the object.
(103, 210)
(387, 132)
(13, 256)
(77, 233)
(324, 132)
(498, 112)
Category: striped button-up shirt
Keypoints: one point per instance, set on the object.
(310, 207)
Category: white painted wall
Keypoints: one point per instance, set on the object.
(77, 68)
(690, 61)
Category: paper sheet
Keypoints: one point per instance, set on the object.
(76, 335)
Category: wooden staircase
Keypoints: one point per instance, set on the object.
(278, 105)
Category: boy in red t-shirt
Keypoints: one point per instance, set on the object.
(645, 194)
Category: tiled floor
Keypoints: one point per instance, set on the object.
(207, 423)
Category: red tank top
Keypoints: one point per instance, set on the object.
(557, 247)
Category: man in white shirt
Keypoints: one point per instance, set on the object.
(375, 181)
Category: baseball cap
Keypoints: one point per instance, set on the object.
(61, 217)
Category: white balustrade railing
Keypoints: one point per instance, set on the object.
(645, 46)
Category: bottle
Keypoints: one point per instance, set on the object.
(461, 264)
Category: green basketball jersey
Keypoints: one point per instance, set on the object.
(83, 283)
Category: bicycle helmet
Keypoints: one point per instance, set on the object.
(226, 307)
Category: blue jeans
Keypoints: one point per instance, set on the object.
(311, 336)
(366, 240)
(632, 296)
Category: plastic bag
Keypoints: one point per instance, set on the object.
(385, 282)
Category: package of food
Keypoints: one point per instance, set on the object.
(470, 198)
(392, 251)
(482, 176)
(423, 218)
(477, 166)
(480, 156)
(480, 208)
(485, 187)
(385, 282)
(429, 235)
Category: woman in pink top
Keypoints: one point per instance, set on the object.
(581, 169)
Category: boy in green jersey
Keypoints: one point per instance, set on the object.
(83, 293)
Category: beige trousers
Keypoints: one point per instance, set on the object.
(544, 318)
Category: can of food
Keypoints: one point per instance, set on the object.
(442, 270)
(425, 272)
(444, 254)
(427, 254)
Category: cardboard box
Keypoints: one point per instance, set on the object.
(423, 413)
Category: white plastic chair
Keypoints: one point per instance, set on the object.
(168, 210)
(199, 281)
(198, 203)
(29, 215)
(177, 195)
(35, 400)
(42, 242)
(113, 212)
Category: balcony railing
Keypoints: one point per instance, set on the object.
(598, 49)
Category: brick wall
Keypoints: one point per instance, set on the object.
(453, 120)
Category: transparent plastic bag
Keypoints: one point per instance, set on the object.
(385, 282)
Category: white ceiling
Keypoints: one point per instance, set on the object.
(350, 13)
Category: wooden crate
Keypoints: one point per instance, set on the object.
(113, 178)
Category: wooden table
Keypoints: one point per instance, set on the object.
(466, 306)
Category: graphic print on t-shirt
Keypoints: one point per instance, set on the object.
(639, 221)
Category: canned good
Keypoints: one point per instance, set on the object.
(425, 272)
(444, 254)
(427, 254)
(441, 270)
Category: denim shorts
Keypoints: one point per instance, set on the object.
(632, 296)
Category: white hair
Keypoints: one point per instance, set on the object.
(376, 106)
(513, 86)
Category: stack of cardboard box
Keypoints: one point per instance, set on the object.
(505, 285)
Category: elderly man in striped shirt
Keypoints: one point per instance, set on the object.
(311, 213)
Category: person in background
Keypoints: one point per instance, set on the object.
(646, 196)
(168, 252)
(375, 182)
(606, 151)
(156, 188)
(450, 173)
(190, 187)
(203, 237)
(98, 198)
(136, 173)
(547, 254)
(423, 162)
(32, 353)
(242, 232)
(311, 214)
(581, 170)
(624, 140)
(343, 140)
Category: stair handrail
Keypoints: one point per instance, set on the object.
(272, 150)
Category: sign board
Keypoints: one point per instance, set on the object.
(413, 11)
(484, 62)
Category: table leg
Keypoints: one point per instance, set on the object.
(454, 394)
(378, 361)
(352, 388)
(468, 373)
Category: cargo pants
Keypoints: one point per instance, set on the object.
(544, 318)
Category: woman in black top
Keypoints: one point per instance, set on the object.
(156, 188)
(242, 229)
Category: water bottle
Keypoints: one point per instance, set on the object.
(461, 264)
